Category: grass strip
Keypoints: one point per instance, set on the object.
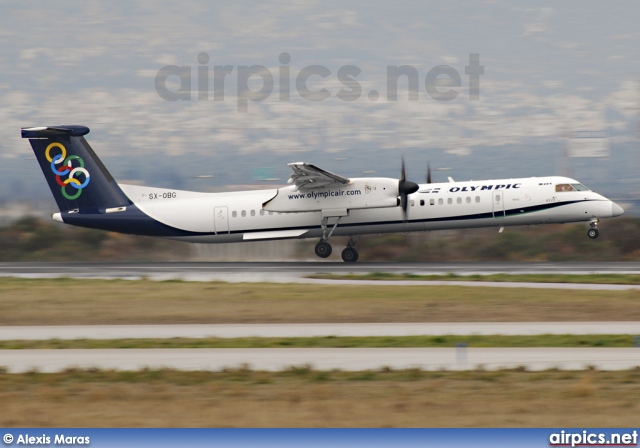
(444, 341)
(304, 397)
(600, 279)
(143, 302)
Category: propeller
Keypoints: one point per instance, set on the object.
(405, 188)
(429, 180)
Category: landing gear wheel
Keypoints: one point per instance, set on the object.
(323, 249)
(593, 233)
(350, 255)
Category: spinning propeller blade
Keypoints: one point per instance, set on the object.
(405, 188)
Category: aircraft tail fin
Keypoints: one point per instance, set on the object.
(76, 176)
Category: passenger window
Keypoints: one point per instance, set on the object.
(440, 201)
(421, 201)
(432, 201)
(244, 213)
(253, 213)
(468, 199)
(449, 201)
(261, 212)
(413, 203)
(477, 199)
(497, 198)
(459, 200)
(234, 214)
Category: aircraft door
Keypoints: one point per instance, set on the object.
(527, 196)
(512, 199)
(221, 220)
(516, 200)
(498, 203)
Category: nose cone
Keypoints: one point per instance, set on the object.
(616, 210)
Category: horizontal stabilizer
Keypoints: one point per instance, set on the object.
(54, 131)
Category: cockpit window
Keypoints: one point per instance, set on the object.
(580, 187)
(564, 187)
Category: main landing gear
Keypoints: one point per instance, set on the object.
(323, 248)
(593, 231)
(349, 254)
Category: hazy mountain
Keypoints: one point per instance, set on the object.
(550, 70)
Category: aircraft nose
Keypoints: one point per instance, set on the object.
(616, 210)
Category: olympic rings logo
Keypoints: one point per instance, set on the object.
(65, 168)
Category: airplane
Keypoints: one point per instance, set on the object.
(316, 203)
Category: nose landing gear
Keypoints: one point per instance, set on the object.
(593, 232)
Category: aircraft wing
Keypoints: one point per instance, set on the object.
(307, 176)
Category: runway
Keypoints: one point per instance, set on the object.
(66, 332)
(319, 358)
(295, 272)
(352, 359)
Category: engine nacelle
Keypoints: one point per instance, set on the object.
(371, 192)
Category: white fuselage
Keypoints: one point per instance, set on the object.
(253, 215)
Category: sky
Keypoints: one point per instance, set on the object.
(550, 71)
